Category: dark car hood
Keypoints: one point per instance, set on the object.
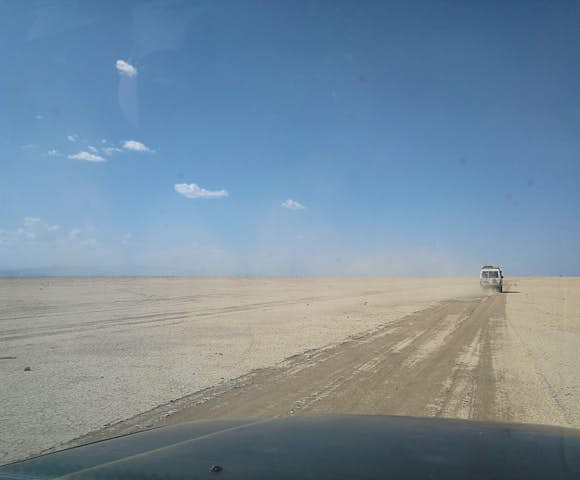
(341, 447)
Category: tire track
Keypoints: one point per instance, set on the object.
(436, 362)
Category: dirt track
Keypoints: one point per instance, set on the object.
(437, 362)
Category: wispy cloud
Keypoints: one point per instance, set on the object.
(89, 242)
(88, 157)
(110, 150)
(93, 149)
(39, 117)
(126, 69)
(191, 190)
(34, 222)
(31, 220)
(126, 238)
(292, 205)
(79, 237)
(72, 138)
(32, 229)
(53, 152)
(136, 146)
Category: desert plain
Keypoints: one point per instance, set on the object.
(88, 358)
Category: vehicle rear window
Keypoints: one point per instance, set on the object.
(492, 274)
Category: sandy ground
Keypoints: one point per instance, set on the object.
(112, 356)
(537, 359)
(497, 357)
(103, 350)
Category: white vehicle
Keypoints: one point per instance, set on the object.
(491, 277)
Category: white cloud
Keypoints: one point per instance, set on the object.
(74, 233)
(126, 238)
(93, 149)
(39, 117)
(191, 190)
(135, 146)
(292, 205)
(88, 157)
(72, 138)
(28, 147)
(126, 69)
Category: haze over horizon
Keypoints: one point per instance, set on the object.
(309, 138)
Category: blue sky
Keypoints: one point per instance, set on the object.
(290, 138)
